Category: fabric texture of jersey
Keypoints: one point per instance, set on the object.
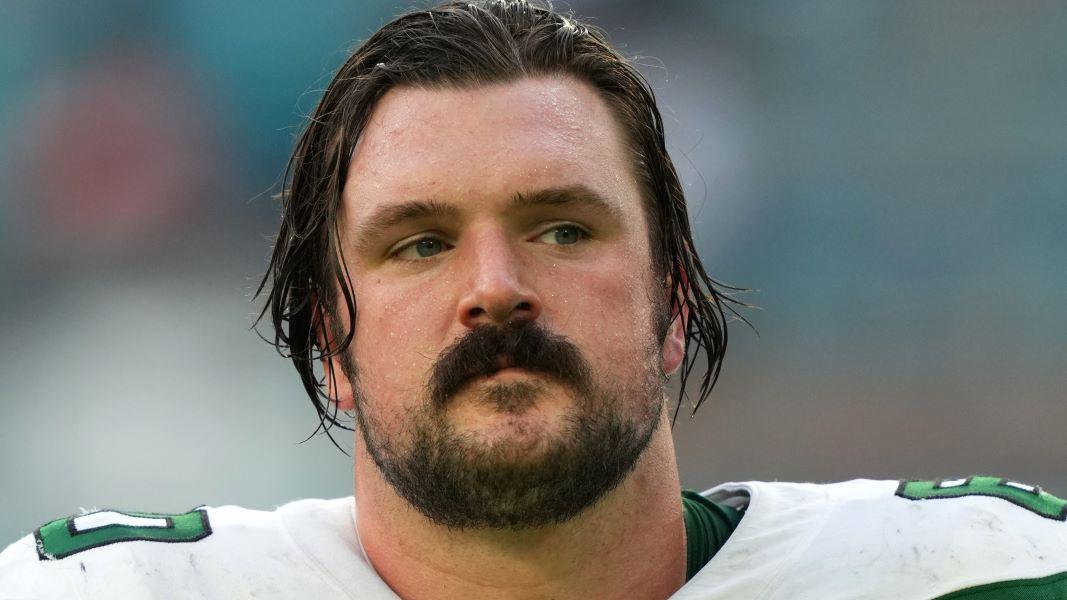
(860, 540)
(857, 540)
(306, 549)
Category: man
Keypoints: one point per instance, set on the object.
(485, 248)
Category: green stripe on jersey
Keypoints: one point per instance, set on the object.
(1030, 497)
(64, 537)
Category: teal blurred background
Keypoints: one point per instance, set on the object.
(890, 176)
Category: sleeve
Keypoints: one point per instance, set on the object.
(23, 576)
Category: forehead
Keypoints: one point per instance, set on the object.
(487, 142)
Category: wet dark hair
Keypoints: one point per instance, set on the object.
(457, 45)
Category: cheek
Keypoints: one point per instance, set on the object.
(607, 311)
(392, 341)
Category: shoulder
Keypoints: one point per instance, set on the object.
(976, 513)
(112, 553)
(949, 534)
(1029, 504)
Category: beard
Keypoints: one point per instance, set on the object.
(460, 481)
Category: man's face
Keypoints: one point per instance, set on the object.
(508, 353)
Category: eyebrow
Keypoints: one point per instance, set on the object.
(576, 196)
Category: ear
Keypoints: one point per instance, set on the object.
(338, 387)
(674, 342)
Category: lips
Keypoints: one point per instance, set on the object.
(504, 364)
(508, 372)
(504, 361)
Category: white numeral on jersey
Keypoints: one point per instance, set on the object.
(104, 518)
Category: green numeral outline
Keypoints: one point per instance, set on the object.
(61, 538)
(1032, 498)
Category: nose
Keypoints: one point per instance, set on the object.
(498, 291)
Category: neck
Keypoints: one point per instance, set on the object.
(630, 544)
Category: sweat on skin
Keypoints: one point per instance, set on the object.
(472, 155)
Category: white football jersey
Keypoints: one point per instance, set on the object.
(304, 550)
(872, 540)
(979, 537)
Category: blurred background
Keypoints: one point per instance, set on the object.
(889, 176)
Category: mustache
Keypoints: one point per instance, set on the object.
(522, 343)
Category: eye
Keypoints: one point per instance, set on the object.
(420, 249)
(564, 235)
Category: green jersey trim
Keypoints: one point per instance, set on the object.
(707, 526)
(64, 537)
(1030, 497)
(1053, 587)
